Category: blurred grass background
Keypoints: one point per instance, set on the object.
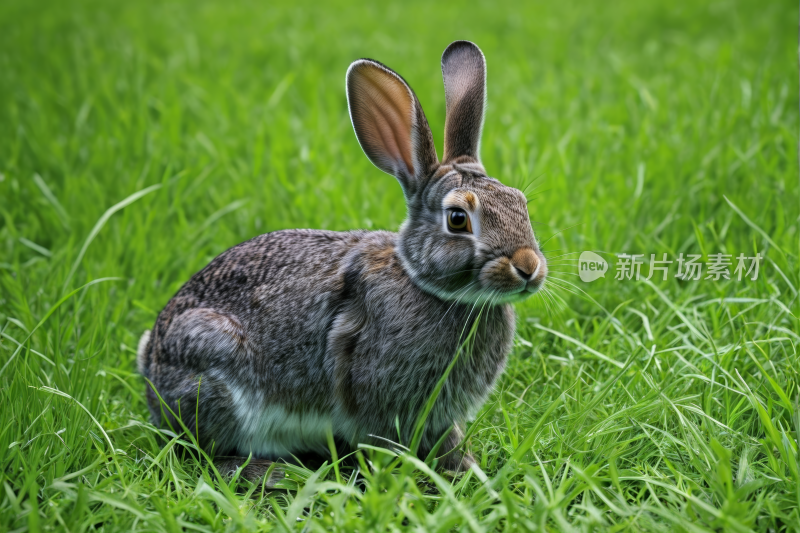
(635, 121)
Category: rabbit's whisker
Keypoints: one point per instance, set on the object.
(553, 295)
(469, 316)
(562, 272)
(546, 300)
(583, 293)
(459, 272)
(561, 231)
(456, 300)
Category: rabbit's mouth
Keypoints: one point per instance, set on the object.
(514, 278)
(531, 288)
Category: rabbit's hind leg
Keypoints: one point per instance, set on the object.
(198, 355)
(453, 455)
(197, 404)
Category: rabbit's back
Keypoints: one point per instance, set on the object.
(280, 286)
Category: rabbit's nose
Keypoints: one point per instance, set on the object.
(526, 263)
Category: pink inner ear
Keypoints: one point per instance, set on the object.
(382, 116)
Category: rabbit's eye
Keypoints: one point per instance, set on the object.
(458, 221)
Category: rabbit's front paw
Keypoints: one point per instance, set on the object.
(457, 462)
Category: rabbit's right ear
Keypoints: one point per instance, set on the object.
(464, 74)
(390, 124)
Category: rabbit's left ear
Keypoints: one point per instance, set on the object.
(390, 124)
(464, 73)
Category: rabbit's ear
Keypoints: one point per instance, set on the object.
(389, 123)
(464, 73)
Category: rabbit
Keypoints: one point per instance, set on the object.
(298, 333)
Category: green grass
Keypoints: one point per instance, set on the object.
(647, 127)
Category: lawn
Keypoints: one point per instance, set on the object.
(138, 140)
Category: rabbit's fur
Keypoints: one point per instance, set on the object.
(297, 331)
